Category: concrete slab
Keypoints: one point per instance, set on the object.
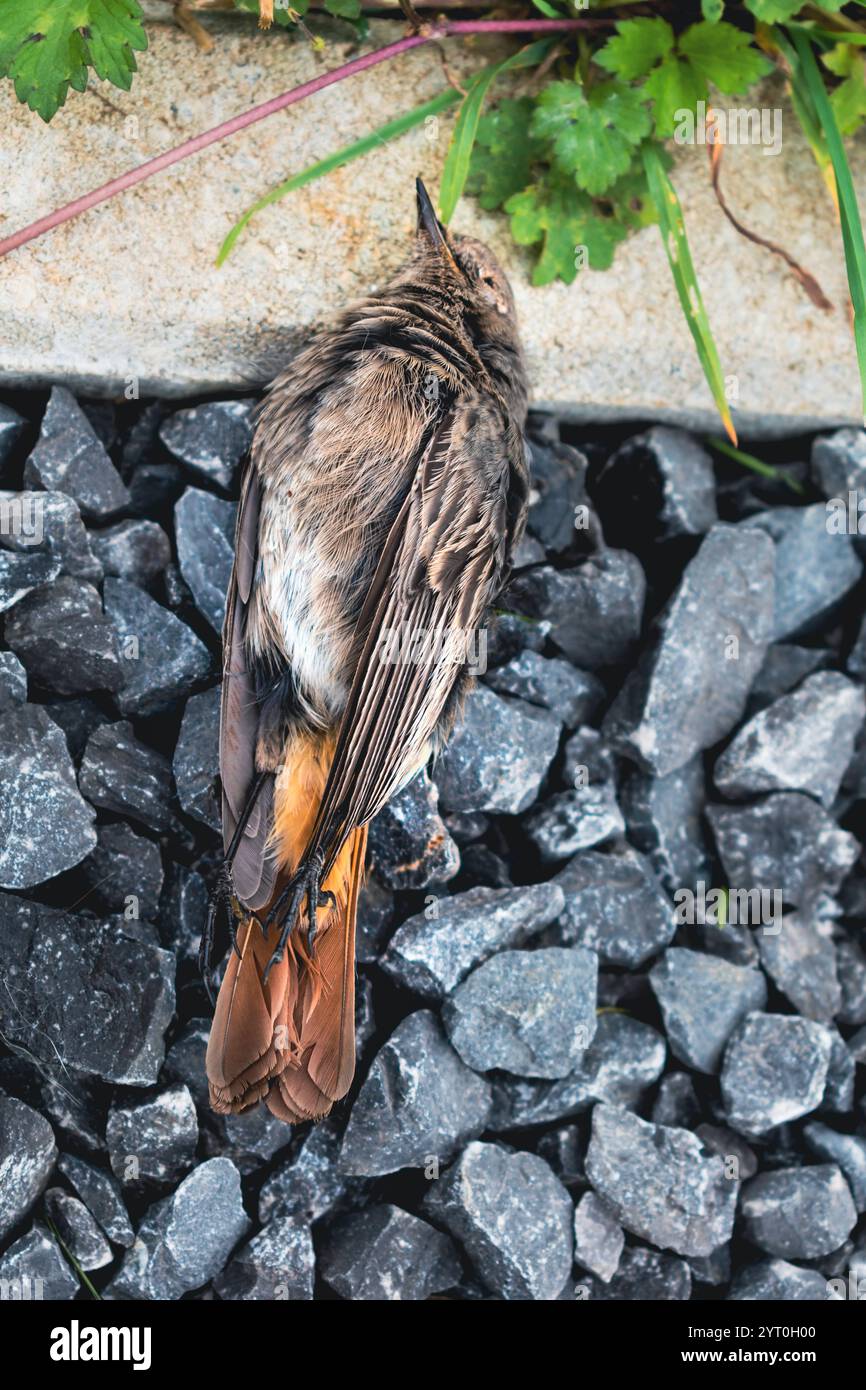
(130, 291)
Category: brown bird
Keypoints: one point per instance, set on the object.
(385, 491)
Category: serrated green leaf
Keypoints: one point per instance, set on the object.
(46, 47)
(777, 11)
(723, 55)
(592, 135)
(712, 10)
(456, 170)
(849, 100)
(674, 86)
(504, 153)
(568, 225)
(636, 47)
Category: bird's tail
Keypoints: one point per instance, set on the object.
(290, 1039)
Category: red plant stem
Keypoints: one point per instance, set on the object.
(267, 108)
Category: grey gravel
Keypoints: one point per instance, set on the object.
(777, 1281)
(161, 656)
(664, 818)
(13, 682)
(513, 1218)
(155, 1139)
(661, 1183)
(100, 1192)
(595, 611)
(527, 1012)
(801, 960)
(813, 569)
(134, 550)
(665, 475)
(27, 1157)
(409, 844)
(647, 1276)
(799, 1213)
(498, 755)
(64, 640)
(70, 458)
(702, 999)
(803, 742)
(434, 950)
(419, 1101)
(45, 826)
(34, 1269)
(277, 1264)
(573, 696)
(691, 685)
(210, 439)
(598, 1237)
(775, 1069)
(196, 758)
(615, 905)
(311, 1182)
(785, 842)
(383, 1254)
(204, 530)
(124, 872)
(77, 1229)
(121, 774)
(848, 1151)
(839, 462)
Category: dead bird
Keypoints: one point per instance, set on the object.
(385, 491)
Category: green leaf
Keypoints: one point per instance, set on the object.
(592, 135)
(723, 55)
(777, 11)
(766, 470)
(849, 101)
(674, 86)
(456, 170)
(673, 230)
(568, 225)
(46, 47)
(849, 211)
(376, 138)
(712, 10)
(504, 153)
(636, 47)
(344, 9)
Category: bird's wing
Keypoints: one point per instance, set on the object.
(254, 868)
(441, 566)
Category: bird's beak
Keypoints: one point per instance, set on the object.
(429, 224)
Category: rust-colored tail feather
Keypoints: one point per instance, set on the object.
(291, 1041)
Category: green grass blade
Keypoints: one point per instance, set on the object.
(73, 1262)
(334, 161)
(456, 170)
(673, 232)
(849, 211)
(755, 464)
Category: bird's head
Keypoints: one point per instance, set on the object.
(469, 266)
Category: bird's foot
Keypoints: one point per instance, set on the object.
(223, 903)
(305, 884)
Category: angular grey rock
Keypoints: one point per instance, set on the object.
(419, 1100)
(11, 428)
(312, 1181)
(562, 1149)
(573, 821)
(409, 844)
(77, 1229)
(250, 1140)
(851, 963)
(839, 463)
(69, 457)
(383, 1254)
(661, 1183)
(185, 1059)
(813, 569)
(803, 742)
(615, 905)
(691, 685)
(278, 1263)
(573, 696)
(730, 1146)
(34, 1269)
(662, 479)
(777, 1281)
(702, 999)
(598, 1237)
(124, 873)
(785, 666)
(527, 1012)
(647, 1276)
(210, 439)
(801, 960)
(183, 910)
(154, 1139)
(798, 1213)
(65, 641)
(22, 573)
(774, 1070)
(204, 528)
(498, 755)
(512, 1216)
(49, 525)
(509, 634)
(13, 682)
(196, 758)
(624, 1058)
(161, 656)
(45, 826)
(783, 842)
(84, 993)
(838, 1095)
(133, 550)
(664, 819)
(559, 480)
(27, 1157)
(431, 955)
(848, 1151)
(100, 1193)
(595, 611)
(120, 774)
(856, 662)
(78, 719)
(375, 917)
(186, 1239)
(676, 1103)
